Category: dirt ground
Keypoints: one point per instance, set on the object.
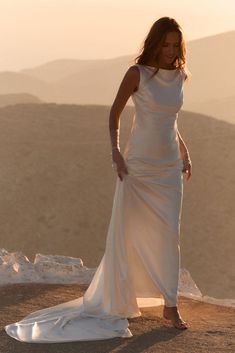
(212, 327)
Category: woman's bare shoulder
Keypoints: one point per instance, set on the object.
(134, 70)
(129, 84)
(133, 74)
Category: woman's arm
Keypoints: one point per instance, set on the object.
(183, 149)
(187, 168)
(128, 85)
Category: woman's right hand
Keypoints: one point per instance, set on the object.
(119, 163)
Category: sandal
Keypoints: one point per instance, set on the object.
(177, 322)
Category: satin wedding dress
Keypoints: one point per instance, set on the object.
(141, 262)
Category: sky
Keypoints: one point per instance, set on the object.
(34, 32)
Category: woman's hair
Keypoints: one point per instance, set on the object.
(155, 39)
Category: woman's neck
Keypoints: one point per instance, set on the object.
(161, 66)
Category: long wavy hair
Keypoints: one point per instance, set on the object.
(154, 41)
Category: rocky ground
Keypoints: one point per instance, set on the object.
(212, 327)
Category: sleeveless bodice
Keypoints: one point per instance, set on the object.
(153, 136)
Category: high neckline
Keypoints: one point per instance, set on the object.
(154, 67)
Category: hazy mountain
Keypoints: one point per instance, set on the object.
(11, 99)
(212, 67)
(223, 108)
(58, 69)
(57, 187)
(79, 81)
(210, 79)
(14, 82)
(97, 81)
(66, 68)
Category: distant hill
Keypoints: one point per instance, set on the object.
(210, 81)
(220, 108)
(212, 68)
(11, 99)
(97, 81)
(14, 83)
(57, 187)
(57, 70)
(81, 81)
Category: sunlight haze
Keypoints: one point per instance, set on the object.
(35, 32)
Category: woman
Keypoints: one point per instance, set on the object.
(140, 266)
(164, 50)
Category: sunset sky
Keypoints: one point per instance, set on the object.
(36, 31)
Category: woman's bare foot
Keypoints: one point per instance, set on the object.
(171, 313)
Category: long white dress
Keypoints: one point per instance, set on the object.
(141, 262)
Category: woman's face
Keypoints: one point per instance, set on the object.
(170, 49)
